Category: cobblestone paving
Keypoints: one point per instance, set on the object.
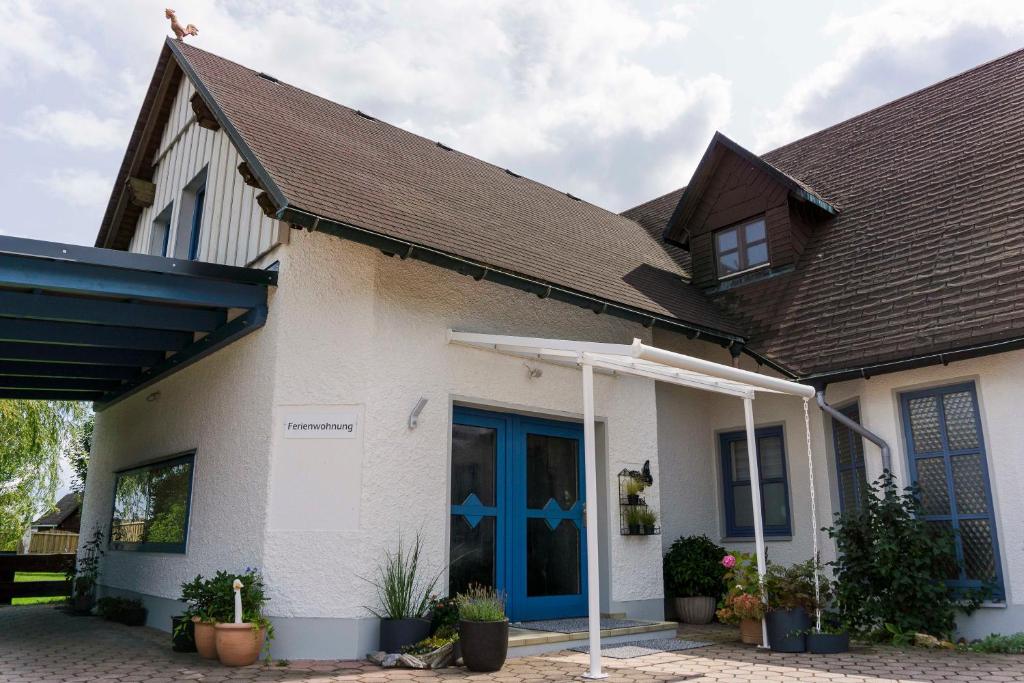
(40, 644)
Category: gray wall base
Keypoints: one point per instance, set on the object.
(652, 609)
(294, 637)
(991, 619)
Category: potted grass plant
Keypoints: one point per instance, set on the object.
(648, 520)
(483, 628)
(403, 597)
(634, 487)
(634, 520)
(694, 572)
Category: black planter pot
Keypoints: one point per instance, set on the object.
(184, 640)
(484, 644)
(648, 529)
(81, 605)
(397, 633)
(828, 643)
(787, 630)
(133, 616)
(633, 529)
(633, 499)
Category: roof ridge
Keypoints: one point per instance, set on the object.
(901, 98)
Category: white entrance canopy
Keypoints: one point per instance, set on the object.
(650, 362)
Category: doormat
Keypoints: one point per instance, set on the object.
(639, 648)
(577, 625)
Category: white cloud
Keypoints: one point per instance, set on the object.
(80, 129)
(79, 187)
(34, 43)
(890, 51)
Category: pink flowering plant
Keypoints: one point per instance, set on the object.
(742, 589)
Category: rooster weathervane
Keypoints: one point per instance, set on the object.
(180, 31)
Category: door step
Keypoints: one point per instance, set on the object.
(524, 642)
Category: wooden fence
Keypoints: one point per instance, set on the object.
(53, 542)
(11, 564)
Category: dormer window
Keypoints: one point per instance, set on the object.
(741, 247)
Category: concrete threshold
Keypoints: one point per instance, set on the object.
(525, 642)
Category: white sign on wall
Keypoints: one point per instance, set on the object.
(334, 424)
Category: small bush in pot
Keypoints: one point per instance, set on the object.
(791, 601)
(743, 603)
(183, 634)
(694, 575)
(403, 597)
(239, 642)
(197, 595)
(483, 628)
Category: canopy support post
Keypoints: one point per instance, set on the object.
(590, 519)
(755, 495)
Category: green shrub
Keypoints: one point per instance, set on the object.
(793, 586)
(480, 603)
(995, 642)
(213, 599)
(693, 568)
(892, 566)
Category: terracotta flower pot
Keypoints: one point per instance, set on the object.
(206, 644)
(239, 644)
(750, 631)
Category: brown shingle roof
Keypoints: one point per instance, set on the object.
(927, 252)
(330, 161)
(65, 507)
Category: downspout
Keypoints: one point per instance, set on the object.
(860, 429)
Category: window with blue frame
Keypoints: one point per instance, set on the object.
(197, 223)
(851, 473)
(152, 505)
(771, 459)
(948, 463)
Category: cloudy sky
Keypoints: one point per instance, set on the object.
(612, 101)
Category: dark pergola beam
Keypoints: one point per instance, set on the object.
(232, 331)
(95, 355)
(34, 369)
(75, 277)
(49, 332)
(106, 312)
(51, 395)
(59, 383)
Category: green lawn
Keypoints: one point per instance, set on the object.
(37, 576)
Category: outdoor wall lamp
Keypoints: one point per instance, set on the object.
(414, 416)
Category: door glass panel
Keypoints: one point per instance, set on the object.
(961, 428)
(924, 424)
(770, 450)
(774, 499)
(931, 478)
(552, 558)
(742, 506)
(552, 471)
(472, 553)
(474, 451)
(969, 485)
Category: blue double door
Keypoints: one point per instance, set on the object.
(517, 509)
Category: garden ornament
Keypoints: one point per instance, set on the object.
(180, 31)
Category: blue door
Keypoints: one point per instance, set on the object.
(948, 463)
(517, 495)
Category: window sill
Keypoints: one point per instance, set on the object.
(750, 539)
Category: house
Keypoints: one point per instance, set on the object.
(57, 530)
(878, 261)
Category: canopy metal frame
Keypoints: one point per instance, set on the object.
(649, 362)
(88, 324)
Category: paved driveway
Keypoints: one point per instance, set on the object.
(39, 643)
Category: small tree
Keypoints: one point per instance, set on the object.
(893, 565)
(693, 568)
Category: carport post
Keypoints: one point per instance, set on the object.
(755, 495)
(590, 520)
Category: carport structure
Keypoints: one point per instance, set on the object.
(650, 362)
(80, 323)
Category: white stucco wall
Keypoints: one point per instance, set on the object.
(368, 331)
(998, 379)
(221, 407)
